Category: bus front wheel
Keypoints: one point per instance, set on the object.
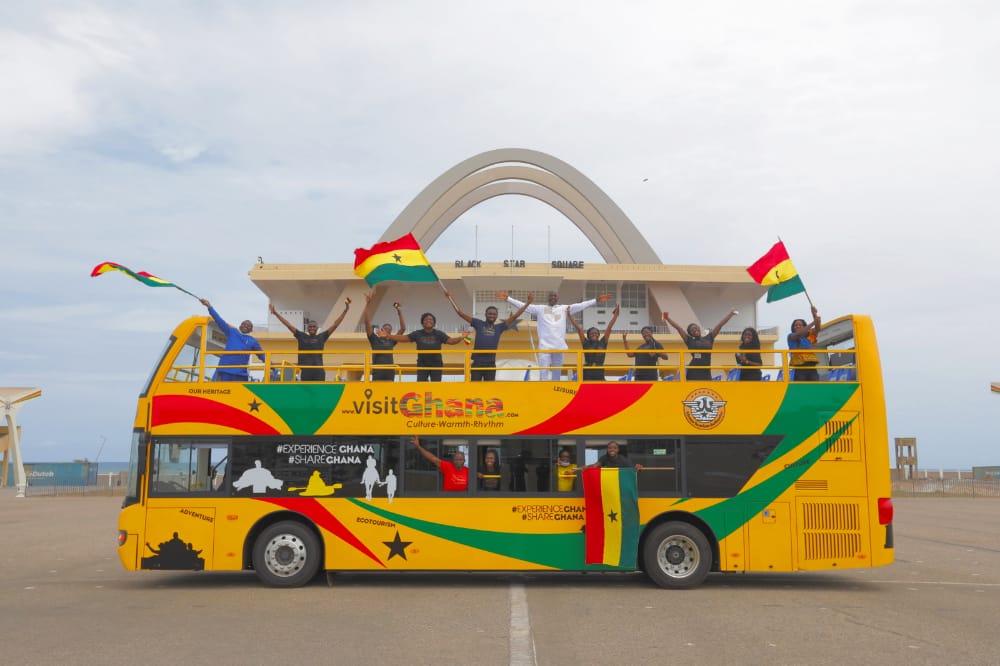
(677, 555)
(286, 554)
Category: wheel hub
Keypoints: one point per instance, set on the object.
(285, 555)
(678, 556)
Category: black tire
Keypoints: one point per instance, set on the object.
(287, 554)
(677, 555)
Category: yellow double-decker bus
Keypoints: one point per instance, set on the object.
(289, 478)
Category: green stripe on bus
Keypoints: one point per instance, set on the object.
(303, 407)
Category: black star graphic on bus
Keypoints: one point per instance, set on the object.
(397, 547)
(613, 517)
(255, 406)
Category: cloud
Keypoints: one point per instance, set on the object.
(186, 140)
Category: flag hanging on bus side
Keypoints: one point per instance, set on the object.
(400, 260)
(611, 509)
(775, 270)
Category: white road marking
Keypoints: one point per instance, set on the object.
(932, 582)
(522, 645)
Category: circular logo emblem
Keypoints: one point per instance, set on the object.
(704, 408)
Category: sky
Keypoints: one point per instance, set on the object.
(188, 138)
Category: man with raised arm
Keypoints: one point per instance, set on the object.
(552, 329)
(233, 367)
(488, 332)
(311, 365)
(454, 473)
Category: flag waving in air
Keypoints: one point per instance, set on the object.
(401, 260)
(611, 510)
(775, 270)
(146, 278)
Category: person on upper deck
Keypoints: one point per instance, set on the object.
(803, 336)
(749, 361)
(698, 365)
(645, 362)
(233, 367)
(382, 344)
(552, 329)
(488, 332)
(428, 338)
(593, 362)
(311, 365)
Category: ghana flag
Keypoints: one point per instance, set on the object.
(775, 270)
(147, 279)
(611, 504)
(401, 260)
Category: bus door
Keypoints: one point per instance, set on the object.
(186, 476)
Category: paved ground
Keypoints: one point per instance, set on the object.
(65, 599)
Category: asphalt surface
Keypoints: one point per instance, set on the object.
(64, 599)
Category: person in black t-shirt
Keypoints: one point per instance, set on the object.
(750, 361)
(381, 344)
(645, 362)
(614, 458)
(488, 332)
(428, 339)
(312, 340)
(593, 362)
(698, 365)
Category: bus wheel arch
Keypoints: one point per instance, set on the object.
(677, 551)
(285, 550)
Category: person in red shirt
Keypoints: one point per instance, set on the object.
(454, 473)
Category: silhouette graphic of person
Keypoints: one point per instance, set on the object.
(390, 485)
(259, 479)
(370, 477)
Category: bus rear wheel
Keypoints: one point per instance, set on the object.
(286, 554)
(677, 555)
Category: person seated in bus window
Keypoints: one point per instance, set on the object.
(489, 471)
(565, 471)
(454, 473)
(312, 340)
(428, 338)
(698, 366)
(803, 336)
(381, 344)
(614, 458)
(488, 332)
(749, 361)
(233, 367)
(593, 362)
(645, 362)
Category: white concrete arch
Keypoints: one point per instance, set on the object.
(529, 173)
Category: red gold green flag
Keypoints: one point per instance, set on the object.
(611, 503)
(400, 260)
(775, 270)
(146, 278)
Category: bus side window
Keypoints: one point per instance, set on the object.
(660, 463)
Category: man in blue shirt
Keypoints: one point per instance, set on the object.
(233, 367)
(488, 332)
